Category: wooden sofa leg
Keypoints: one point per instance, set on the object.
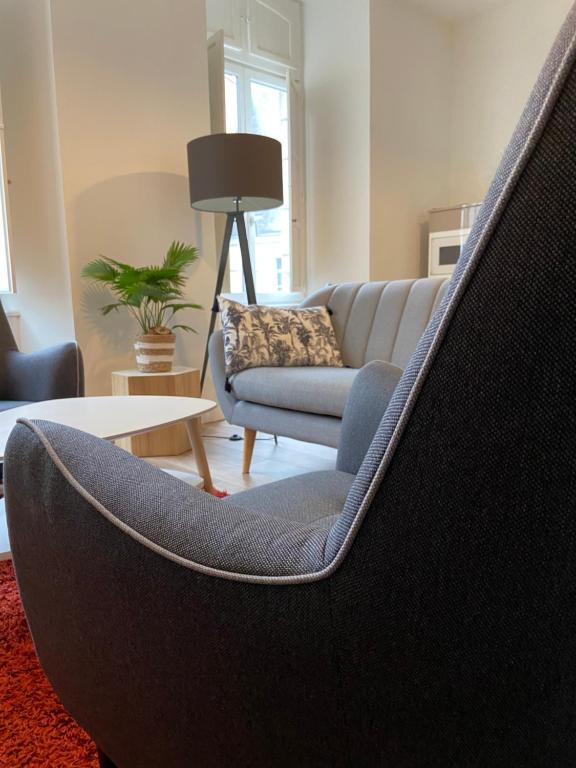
(249, 438)
(104, 761)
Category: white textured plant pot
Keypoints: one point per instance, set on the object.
(155, 352)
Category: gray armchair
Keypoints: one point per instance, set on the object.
(45, 375)
(421, 613)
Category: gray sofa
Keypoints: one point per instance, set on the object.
(423, 617)
(372, 321)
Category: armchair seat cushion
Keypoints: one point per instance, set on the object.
(322, 391)
(317, 497)
(6, 405)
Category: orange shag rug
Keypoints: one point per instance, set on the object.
(35, 729)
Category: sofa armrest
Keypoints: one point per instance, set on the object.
(226, 400)
(75, 476)
(51, 373)
(367, 402)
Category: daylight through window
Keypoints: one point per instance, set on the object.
(257, 102)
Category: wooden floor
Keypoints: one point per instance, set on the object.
(270, 461)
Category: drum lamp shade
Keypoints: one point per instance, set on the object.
(235, 172)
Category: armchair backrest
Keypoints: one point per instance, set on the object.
(460, 530)
(7, 341)
(501, 342)
(380, 320)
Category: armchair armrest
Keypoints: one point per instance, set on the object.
(226, 400)
(151, 644)
(367, 402)
(76, 476)
(51, 373)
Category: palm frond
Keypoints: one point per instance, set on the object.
(179, 307)
(148, 292)
(180, 255)
(100, 270)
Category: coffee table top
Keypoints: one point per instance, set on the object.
(108, 417)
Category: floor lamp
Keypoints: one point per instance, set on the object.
(234, 173)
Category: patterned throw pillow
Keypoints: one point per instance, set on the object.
(256, 337)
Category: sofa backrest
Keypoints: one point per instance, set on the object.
(380, 320)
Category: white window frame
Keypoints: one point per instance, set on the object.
(247, 73)
(243, 72)
(235, 38)
(5, 211)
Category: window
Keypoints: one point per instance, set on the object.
(5, 268)
(255, 71)
(257, 102)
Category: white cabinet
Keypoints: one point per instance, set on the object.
(269, 30)
(229, 16)
(274, 31)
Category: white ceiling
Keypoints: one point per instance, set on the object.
(457, 9)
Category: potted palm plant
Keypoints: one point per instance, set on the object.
(153, 296)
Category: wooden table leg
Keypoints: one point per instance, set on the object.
(195, 435)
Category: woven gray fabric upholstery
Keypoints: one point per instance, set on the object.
(372, 321)
(323, 391)
(316, 496)
(51, 373)
(167, 513)
(226, 401)
(369, 398)
(444, 633)
(380, 320)
(310, 427)
(519, 152)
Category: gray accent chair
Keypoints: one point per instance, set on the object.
(372, 321)
(46, 375)
(427, 619)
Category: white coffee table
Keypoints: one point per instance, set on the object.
(114, 417)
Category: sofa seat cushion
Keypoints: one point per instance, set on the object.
(312, 390)
(313, 497)
(6, 405)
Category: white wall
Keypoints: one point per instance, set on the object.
(38, 242)
(132, 90)
(497, 58)
(411, 79)
(337, 89)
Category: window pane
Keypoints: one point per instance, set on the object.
(271, 229)
(236, 275)
(263, 109)
(231, 96)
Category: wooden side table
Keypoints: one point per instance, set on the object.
(179, 382)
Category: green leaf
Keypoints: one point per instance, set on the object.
(180, 256)
(178, 307)
(117, 264)
(100, 270)
(183, 328)
(152, 290)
